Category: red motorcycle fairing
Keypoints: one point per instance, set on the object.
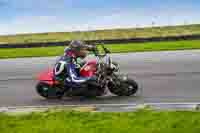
(47, 77)
(87, 70)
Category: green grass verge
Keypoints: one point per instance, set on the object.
(141, 121)
(103, 34)
(118, 48)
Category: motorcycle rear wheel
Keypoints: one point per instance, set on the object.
(48, 92)
(124, 88)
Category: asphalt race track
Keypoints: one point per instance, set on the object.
(164, 77)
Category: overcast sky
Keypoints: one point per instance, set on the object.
(31, 16)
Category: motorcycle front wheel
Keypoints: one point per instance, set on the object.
(48, 92)
(123, 87)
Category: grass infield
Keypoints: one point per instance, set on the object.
(103, 34)
(141, 121)
(118, 48)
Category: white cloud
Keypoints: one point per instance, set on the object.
(29, 4)
(32, 24)
(39, 24)
(119, 19)
(145, 18)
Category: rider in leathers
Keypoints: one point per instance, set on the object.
(66, 69)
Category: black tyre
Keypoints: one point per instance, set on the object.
(46, 91)
(124, 88)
